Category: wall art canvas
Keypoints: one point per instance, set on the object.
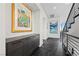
(54, 27)
(21, 18)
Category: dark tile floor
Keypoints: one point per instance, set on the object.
(51, 47)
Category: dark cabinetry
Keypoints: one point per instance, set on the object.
(22, 47)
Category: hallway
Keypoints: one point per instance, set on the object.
(51, 47)
(39, 29)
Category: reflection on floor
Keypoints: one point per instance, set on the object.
(51, 47)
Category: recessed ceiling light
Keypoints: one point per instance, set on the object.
(54, 7)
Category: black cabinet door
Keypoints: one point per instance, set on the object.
(26, 46)
(22, 47)
(17, 52)
(30, 44)
(14, 48)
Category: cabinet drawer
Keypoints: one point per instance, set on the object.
(26, 47)
(12, 46)
(17, 52)
(22, 47)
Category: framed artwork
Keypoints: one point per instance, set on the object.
(54, 27)
(21, 18)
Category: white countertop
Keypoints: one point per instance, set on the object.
(19, 37)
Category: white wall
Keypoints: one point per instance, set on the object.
(35, 23)
(2, 29)
(74, 30)
(54, 35)
(64, 17)
(44, 28)
(43, 24)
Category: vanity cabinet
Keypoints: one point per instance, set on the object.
(22, 47)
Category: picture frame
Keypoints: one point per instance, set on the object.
(21, 18)
(54, 26)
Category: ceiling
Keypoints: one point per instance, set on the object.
(56, 9)
(53, 9)
(33, 6)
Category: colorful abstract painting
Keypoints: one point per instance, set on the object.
(21, 18)
(54, 27)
